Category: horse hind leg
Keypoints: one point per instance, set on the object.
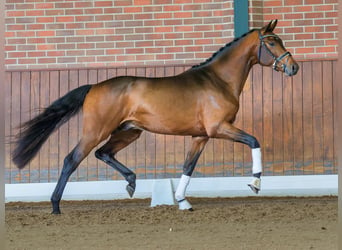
(71, 162)
(118, 140)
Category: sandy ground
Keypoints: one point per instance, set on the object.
(221, 223)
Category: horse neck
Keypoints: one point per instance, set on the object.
(234, 65)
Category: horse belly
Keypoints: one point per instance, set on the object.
(168, 118)
(166, 107)
(171, 124)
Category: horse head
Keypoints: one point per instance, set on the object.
(271, 51)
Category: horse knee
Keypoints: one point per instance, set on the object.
(253, 142)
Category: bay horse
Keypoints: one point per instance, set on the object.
(201, 102)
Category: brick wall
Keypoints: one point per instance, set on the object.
(45, 33)
(95, 33)
(309, 27)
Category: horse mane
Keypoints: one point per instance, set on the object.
(221, 49)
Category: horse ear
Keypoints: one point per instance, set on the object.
(270, 27)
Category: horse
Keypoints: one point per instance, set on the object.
(202, 102)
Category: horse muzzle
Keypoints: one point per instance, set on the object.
(291, 69)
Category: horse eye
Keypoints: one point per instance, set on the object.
(271, 44)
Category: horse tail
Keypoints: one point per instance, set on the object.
(35, 132)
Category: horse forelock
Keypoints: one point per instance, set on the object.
(220, 50)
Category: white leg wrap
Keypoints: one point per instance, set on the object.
(256, 157)
(255, 184)
(180, 193)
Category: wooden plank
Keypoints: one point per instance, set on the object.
(169, 71)
(131, 71)
(336, 85)
(141, 156)
(267, 146)
(228, 158)
(25, 114)
(34, 108)
(288, 140)
(140, 71)
(9, 130)
(102, 75)
(317, 110)
(150, 154)
(54, 138)
(44, 101)
(207, 160)
(328, 118)
(180, 151)
(218, 157)
(150, 72)
(308, 118)
(298, 132)
(170, 168)
(278, 157)
(121, 72)
(15, 118)
(111, 73)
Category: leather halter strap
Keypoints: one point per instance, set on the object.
(276, 59)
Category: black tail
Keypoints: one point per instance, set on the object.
(35, 132)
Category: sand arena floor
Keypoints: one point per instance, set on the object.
(220, 223)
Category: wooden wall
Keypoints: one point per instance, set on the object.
(293, 118)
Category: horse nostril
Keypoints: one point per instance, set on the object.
(294, 68)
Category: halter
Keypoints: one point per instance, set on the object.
(276, 59)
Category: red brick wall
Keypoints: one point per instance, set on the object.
(309, 27)
(45, 33)
(84, 33)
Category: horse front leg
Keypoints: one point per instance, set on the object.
(197, 147)
(228, 131)
(256, 169)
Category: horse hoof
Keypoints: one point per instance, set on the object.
(130, 190)
(191, 209)
(185, 205)
(255, 185)
(254, 189)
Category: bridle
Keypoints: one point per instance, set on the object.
(276, 59)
